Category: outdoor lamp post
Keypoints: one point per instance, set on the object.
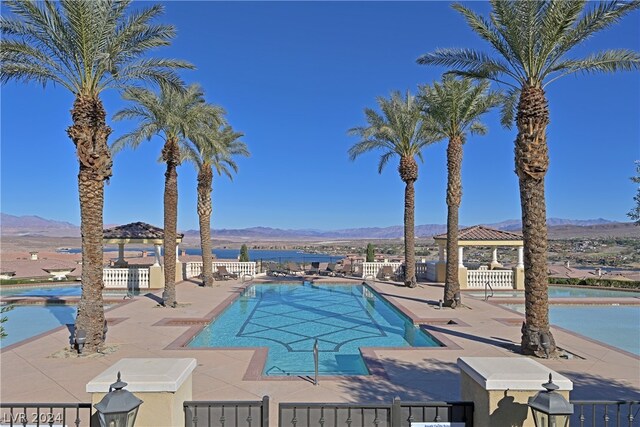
(550, 408)
(119, 407)
(81, 339)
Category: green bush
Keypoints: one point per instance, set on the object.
(371, 253)
(33, 281)
(603, 283)
(244, 254)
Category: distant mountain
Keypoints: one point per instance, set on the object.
(11, 225)
(29, 225)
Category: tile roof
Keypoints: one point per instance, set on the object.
(480, 232)
(136, 230)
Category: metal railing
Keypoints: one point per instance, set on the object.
(487, 286)
(397, 414)
(47, 414)
(605, 413)
(231, 413)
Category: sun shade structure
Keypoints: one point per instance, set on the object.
(136, 233)
(480, 235)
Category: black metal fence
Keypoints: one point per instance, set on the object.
(47, 414)
(397, 414)
(605, 413)
(238, 413)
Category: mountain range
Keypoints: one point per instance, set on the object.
(11, 225)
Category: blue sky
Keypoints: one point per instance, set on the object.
(294, 76)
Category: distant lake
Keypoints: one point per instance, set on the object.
(254, 254)
(270, 255)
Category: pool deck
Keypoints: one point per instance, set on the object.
(141, 328)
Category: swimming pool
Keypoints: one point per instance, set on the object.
(287, 318)
(564, 292)
(55, 291)
(26, 321)
(616, 325)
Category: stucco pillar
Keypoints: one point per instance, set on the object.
(441, 265)
(157, 249)
(460, 256)
(179, 273)
(520, 257)
(494, 260)
(163, 384)
(501, 386)
(120, 262)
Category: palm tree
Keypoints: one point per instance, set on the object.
(213, 149)
(452, 109)
(531, 42)
(86, 47)
(399, 131)
(175, 115)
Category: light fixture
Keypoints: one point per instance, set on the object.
(550, 408)
(81, 340)
(457, 298)
(119, 407)
(545, 343)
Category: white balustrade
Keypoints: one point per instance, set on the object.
(126, 278)
(194, 269)
(498, 279)
(373, 268)
(431, 271)
(422, 271)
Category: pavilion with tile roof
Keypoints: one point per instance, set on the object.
(137, 233)
(480, 235)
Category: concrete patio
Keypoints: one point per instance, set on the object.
(34, 371)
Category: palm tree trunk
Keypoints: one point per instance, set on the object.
(532, 162)
(409, 235)
(171, 156)
(89, 133)
(205, 179)
(454, 195)
(408, 169)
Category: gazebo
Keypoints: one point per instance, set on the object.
(141, 233)
(493, 273)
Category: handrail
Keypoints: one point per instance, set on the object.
(315, 361)
(486, 297)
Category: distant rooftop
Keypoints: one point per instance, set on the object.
(480, 232)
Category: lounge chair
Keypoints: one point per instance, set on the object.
(293, 269)
(224, 274)
(385, 273)
(330, 270)
(343, 270)
(315, 268)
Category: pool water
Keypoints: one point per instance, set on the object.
(616, 325)
(564, 292)
(26, 321)
(287, 319)
(56, 291)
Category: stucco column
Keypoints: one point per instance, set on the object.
(441, 253)
(177, 252)
(520, 257)
(494, 257)
(120, 262)
(460, 254)
(157, 249)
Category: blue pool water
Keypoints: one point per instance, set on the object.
(55, 291)
(26, 321)
(565, 292)
(288, 318)
(616, 325)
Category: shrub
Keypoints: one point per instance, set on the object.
(244, 254)
(603, 283)
(371, 253)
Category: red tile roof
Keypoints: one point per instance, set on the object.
(480, 232)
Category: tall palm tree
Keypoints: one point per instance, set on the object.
(453, 109)
(174, 115)
(531, 41)
(399, 131)
(86, 47)
(214, 149)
